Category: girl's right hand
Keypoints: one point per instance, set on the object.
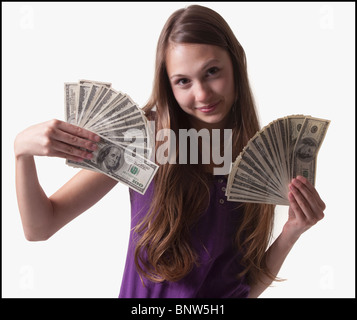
(56, 138)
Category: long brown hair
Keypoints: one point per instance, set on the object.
(163, 250)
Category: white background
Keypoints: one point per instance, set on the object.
(301, 59)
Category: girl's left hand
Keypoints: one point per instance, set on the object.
(306, 208)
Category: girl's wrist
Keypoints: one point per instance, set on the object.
(288, 237)
(19, 150)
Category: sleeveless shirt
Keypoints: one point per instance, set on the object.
(213, 241)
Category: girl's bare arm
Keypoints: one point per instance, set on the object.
(306, 209)
(41, 215)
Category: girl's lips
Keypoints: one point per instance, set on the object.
(209, 108)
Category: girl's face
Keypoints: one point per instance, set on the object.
(201, 78)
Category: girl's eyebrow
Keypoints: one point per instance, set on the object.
(214, 60)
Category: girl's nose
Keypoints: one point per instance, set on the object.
(202, 92)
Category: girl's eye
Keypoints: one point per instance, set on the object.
(212, 71)
(182, 82)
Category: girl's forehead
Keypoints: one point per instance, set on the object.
(193, 50)
(181, 58)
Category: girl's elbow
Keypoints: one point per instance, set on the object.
(33, 236)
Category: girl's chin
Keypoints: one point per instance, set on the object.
(212, 122)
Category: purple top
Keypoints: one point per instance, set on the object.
(213, 240)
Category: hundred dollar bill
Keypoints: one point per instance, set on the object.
(120, 109)
(122, 165)
(283, 149)
(100, 83)
(124, 148)
(80, 165)
(294, 127)
(95, 89)
(83, 94)
(70, 101)
(94, 107)
(109, 96)
(308, 143)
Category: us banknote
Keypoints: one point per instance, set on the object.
(125, 148)
(282, 150)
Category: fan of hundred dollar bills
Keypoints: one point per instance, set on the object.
(282, 150)
(124, 148)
